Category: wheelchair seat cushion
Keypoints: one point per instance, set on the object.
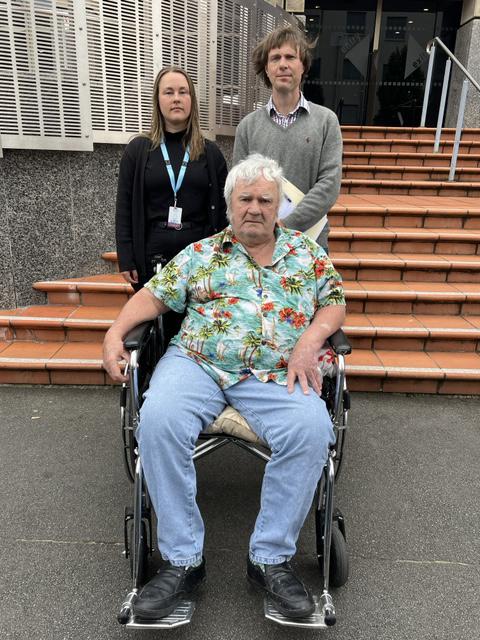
(234, 424)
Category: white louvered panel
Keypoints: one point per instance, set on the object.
(41, 94)
(233, 63)
(120, 50)
(10, 123)
(187, 28)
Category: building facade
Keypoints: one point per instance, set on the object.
(75, 86)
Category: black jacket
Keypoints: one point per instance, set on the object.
(130, 211)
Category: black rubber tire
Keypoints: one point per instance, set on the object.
(338, 559)
(143, 566)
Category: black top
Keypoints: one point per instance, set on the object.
(131, 223)
(192, 196)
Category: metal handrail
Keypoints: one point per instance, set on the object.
(431, 48)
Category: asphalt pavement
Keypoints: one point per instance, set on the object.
(409, 492)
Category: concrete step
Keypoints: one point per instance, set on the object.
(27, 362)
(419, 298)
(367, 370)
(407, 159)
(414, 372)
(364, 296)
(57, 323)
(409, 173)
(101, 290)
(402, 239)
(405, 133)
(411, 187)
(409, 332)
(407, 145)
(408, 267)
(412, 212)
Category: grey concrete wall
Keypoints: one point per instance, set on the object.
(467, 50)
(57, 214)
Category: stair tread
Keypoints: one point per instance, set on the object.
(80, 356)
(399, 203)
(409, 141)
(405, 233)
(409, 154)
(435, 364)
(346, 128)
(457, 289)
(51, 355)
(439, 184)
(409, 260)
(398, 168)
(412, 325)
(376, 290)
(57, 315)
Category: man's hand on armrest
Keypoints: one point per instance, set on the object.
(141, 307)
(303, 362)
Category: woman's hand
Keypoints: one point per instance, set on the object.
(130, 276)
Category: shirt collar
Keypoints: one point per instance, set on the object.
(301, 104)
(285, 241)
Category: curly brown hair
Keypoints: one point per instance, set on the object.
(193, 135)
(277, 38)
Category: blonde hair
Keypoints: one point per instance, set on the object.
(193, 136)
(276, 39)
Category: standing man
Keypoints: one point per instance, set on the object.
(303, 137)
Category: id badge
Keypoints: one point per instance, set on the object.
(174, 217)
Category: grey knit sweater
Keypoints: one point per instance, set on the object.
(309, 152)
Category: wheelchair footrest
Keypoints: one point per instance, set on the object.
(315, 621)
(181, 616)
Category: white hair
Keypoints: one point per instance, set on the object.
(249, 170)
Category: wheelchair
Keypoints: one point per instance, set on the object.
(145, 345)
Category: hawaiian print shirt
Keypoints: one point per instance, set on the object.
(243, 319)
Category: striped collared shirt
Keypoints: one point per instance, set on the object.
(286, 121)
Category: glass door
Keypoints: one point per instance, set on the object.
(339, 75)
(400, 66)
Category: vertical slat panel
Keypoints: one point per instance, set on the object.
(40, 84)
(120, 53)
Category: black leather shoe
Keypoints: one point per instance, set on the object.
(159, 597)
(289, 595)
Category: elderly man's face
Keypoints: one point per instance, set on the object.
(254, 210)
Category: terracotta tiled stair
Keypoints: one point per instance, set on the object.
(406, 241)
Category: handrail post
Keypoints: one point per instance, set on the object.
(443, 100)
(458, 130)
(428, 83)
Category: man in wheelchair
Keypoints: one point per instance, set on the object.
(260, 301)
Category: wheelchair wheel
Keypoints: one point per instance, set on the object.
(338, 559)
(142, 573)
(127, 426)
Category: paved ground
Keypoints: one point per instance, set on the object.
(409, 492)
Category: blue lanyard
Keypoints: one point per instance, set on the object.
(181, 174)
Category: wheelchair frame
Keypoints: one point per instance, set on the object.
(145, 344)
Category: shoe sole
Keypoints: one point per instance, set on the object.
(163, 613)
(285, 612)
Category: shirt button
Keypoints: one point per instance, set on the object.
(264, 314)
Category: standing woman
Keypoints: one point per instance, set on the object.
(170, 185)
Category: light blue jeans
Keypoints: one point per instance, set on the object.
(181, 401)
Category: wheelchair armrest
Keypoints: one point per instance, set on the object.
(136, 338)
(339, 343)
